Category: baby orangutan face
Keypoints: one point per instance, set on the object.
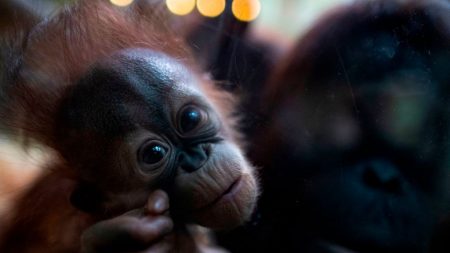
(141, 120)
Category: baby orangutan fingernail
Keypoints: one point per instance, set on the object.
(158, 202)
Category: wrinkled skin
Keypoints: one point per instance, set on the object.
(198, 166)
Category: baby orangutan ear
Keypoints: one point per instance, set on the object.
(86, 198)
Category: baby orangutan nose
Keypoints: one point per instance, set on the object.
(193, 158)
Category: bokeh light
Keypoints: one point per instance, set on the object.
(121, 3)
(246, 10)
(211, 8)
(180, 7)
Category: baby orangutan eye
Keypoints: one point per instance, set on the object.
(190, 118)
(152, 153)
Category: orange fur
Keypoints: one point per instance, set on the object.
(50, 58)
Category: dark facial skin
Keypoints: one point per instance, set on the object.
(141, 121)
(359, 158)
(366, 172)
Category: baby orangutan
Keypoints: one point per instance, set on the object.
(117, 97)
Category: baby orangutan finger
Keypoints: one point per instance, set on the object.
(157, 203)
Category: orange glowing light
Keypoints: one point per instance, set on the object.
(121, 3)
(211, 8)
(246, 10)
(180, 7)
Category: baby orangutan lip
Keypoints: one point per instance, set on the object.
(227, 195)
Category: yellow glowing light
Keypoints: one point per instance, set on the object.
(121, 3)
(211, 8)
(180, 7)
(246, 10)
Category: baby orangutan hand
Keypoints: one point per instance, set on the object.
(140, 230)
